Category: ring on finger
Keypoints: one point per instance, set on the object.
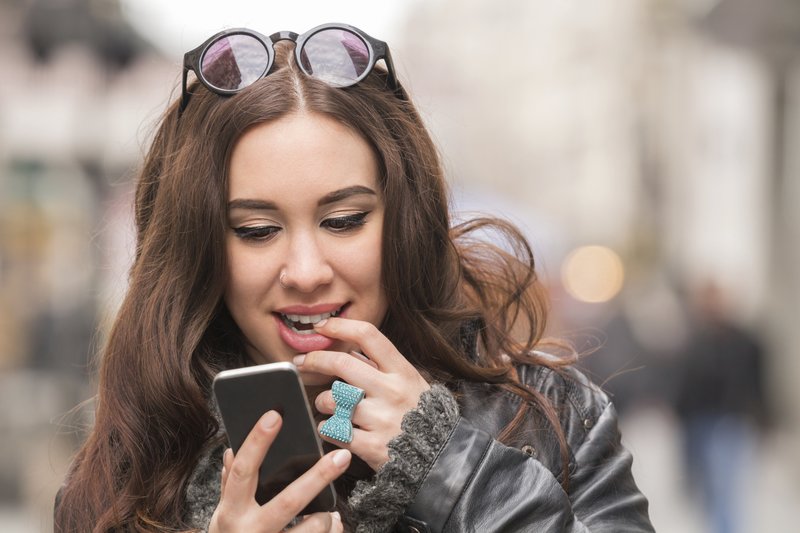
(340, 425)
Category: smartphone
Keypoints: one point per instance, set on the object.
(243, 396)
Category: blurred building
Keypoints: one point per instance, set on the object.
(624, 123)
(653, 129)
(78, 83)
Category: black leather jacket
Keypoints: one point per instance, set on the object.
(523, 477)
(478, 484)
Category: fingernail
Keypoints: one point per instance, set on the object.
(320, 323)
(341, 458)
(298, 361)
(336, 516)
(269, 420)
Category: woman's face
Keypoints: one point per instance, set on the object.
(306, 219)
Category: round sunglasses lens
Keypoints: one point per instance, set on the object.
(337, 57)
(234, 62)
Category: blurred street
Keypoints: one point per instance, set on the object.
(643, 146)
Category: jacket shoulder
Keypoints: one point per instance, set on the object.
(577, 401)
(565, 387)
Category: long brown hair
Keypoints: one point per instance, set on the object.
(173, 332)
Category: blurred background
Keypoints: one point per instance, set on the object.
(643, 145)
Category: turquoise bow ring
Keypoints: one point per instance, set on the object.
(340, 425)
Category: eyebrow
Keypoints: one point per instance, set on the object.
(330, 198)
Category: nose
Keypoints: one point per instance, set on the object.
(306, 266)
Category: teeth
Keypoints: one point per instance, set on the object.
(309, 319)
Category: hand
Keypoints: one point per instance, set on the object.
(238, 510)
(391, 384)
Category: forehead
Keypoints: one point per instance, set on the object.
(300, 156)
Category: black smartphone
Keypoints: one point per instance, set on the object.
(243, 396)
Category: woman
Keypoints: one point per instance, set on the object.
(292, 207)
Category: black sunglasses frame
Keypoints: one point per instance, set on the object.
(378, 50)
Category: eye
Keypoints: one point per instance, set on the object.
(346, 223)
(256, 233)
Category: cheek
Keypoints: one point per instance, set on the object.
(368, 274)
(233, 275)
(244, 278)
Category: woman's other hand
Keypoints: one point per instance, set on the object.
(391, 384)
(238, 510)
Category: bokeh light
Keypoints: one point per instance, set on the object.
(593, 274)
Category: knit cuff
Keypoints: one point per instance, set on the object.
(378, 503)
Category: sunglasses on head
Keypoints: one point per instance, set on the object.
(338, 54)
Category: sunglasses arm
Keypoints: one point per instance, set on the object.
(392, 77)
(189, 59)
(185, 92)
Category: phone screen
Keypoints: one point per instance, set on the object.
(243, 396)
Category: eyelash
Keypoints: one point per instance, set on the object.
(349, 222)
(264, 233)
(255, 233)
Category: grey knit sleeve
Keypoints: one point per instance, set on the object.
(203, 488)
(378, 503)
